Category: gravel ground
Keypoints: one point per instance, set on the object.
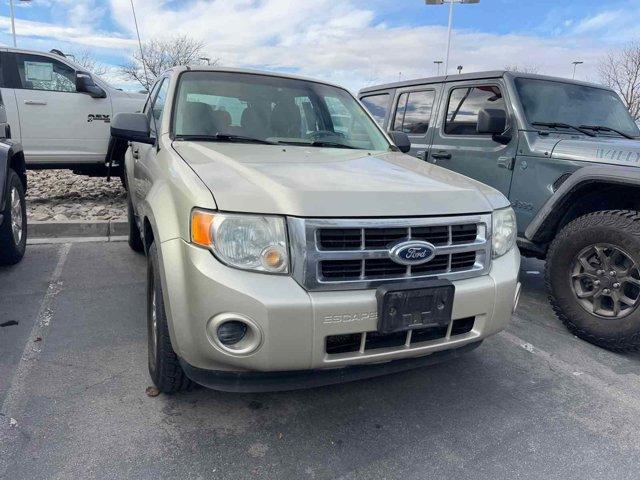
(60, 195)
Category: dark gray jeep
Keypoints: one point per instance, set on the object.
(13, 185)
(567, 155)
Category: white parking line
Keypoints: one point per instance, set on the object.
(599, 377)
(33, 348)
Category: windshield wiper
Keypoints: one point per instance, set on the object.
(224, 137)
(317, 143)
(563, 125)
(601, 128)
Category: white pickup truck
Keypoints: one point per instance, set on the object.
(59, 112)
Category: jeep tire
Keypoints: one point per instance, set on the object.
(13, 230)
(135, 239)
(164, 367)
(593, 278)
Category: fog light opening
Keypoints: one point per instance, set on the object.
(234, 334)
(231, 332)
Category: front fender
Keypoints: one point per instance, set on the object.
(8, 149)
(544, 223)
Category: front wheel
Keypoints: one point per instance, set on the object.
(164, 367)
(135, 239)
(593, 278)
(13, 230)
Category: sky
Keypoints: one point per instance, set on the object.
(351, 42)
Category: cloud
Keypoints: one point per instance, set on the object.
(340, 41)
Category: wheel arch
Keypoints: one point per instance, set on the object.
(587, 190)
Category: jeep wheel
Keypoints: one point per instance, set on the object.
(13, 231)
(164, 366)
(593, 278)
(135, 239)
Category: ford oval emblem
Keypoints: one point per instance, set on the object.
(412, 252)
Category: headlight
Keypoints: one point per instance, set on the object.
(503, 235)
(250, 242)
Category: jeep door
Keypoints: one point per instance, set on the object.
(456, 142)
(413, 112)
(58, 124)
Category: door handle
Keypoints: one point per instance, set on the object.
(441, 155)
(135, 152)
(506, 162)
(34, 102)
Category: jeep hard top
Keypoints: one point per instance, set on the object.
(566, 154)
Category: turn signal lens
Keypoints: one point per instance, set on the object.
(201, 223)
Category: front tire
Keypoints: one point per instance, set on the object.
(593, 278)
(135, 239)
(164, 366)
(13, 231)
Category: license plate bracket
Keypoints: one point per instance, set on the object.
(422, 304)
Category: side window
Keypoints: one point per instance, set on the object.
(158, 105)
(377, 106)
(414, 112)
(38, 72)
(152, 95)
(464, 105)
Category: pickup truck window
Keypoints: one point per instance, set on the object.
(211, 105)
(465, 104)
(38, 72)
(413, 113)
(158, 104)
(557, 102)
(377, 106)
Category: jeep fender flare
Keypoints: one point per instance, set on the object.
(543, 226)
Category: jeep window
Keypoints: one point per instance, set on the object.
(413, 113)
(465, 104)
(43, 73)
(377, 106)
(558, 102)
(227, 106)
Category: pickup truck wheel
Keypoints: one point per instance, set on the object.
(135, 239)
(164, 367)
(593, 278)
(13, 231)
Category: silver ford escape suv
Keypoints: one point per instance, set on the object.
(291, 243)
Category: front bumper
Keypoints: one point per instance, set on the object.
(295, 323)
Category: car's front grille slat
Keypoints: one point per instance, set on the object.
(355, 253)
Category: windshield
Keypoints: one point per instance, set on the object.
(227, 106)
(557, 102)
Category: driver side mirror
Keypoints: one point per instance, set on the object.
(85, 84)
(133, 127)
(494, 121)
(401, 140)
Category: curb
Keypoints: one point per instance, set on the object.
(77, 230)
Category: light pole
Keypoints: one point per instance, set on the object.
(450, 2)
(206, 59)
(459, 69)
(438, 63)
(13, 21)
(575, 64)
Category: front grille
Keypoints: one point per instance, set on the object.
(387, 268)
(341, 254)
(377, 238)
(367, 341)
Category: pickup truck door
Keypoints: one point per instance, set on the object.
(58, 124)
(456, 143)
(413, 111)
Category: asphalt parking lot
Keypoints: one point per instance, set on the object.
(533, 402)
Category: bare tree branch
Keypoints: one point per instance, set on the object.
(161, 55)
(621, 71)
(522, 68)
(87, 61)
